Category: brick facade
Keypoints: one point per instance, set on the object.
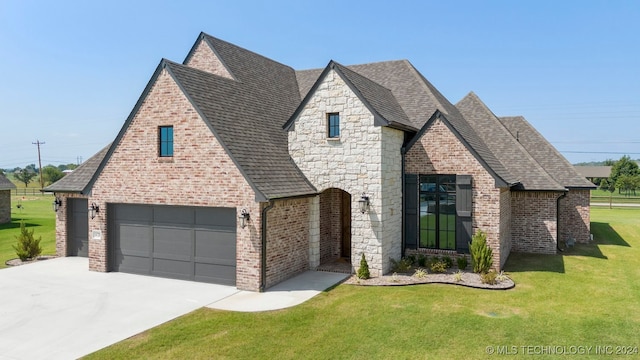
(200, 173)
(439, 151)
(505, 225)
(366, 158)
(5, 206)
(575, 216)
(287, 239)
(203, 58)
(533, 221)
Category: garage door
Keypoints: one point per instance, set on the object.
(189, 243)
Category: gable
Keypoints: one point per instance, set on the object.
(135, 171)
(203, 57)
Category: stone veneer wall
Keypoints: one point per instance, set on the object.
(354, 163)
(287, 239)
(5, 206)
(533, 221)
(61, 222)
(440, 152)
(575, 216)
(203, 58)
(136, 174)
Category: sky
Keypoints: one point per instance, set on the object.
(72, 71)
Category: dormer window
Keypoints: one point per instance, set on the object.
(333, 122)
(165, 137)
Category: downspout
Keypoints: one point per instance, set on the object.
(263, 266)
(403, 151)
(564, 194)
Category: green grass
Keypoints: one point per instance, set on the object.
(37, 213)
(589, 296)
(601, 196)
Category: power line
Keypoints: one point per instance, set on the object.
(600, 152)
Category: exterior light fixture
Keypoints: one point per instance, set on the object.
(364, 203)
(93, 210)
(244, 218)
(56, 204)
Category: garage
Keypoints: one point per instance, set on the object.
(189, 243)
(77, 227)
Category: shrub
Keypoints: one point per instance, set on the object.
(420, 274)
(481, 254)
(422, 260)
(411, 258)
(502, 276)
(462, 262)
(438, 266)
(457, 277)
(363, 270)
(489, 277)
(447, 261)
(401, 266)
(27, 247)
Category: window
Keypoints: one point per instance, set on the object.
(166, 141)
(334, 125)
(438, 212)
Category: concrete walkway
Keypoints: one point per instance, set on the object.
(283, 295)
(58, 309)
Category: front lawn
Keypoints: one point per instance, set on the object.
(37, 213)
(590, 296)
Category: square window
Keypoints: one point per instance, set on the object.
(334, 125)
(165, 135)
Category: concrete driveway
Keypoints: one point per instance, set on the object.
(57, 309)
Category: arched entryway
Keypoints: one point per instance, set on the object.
(335, 230)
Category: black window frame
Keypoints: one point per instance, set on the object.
(165, 143)
(443, 193)
(333, 125)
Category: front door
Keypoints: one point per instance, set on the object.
(77, 227)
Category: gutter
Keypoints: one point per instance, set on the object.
(403, 152)
(263, 262)
(564, 194)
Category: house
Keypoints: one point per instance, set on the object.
(5, 199)
(594, 172)
(235, 169)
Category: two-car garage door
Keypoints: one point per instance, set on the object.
(191, 243)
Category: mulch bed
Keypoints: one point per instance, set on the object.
(18, 262)
(469, 279)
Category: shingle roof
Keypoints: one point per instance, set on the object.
(544, 153)
(247, 115)
(78, 180)
(380, 98)
(530, 174)
(593, 171)
(6, 184)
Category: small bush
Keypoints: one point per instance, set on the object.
(363, 270)
(489, 277)
(438, 266)
(502, 277)
(447, 260)
(27, 247)
(401, 266)
(481, 254)
(457, 276)
(422, 260)
(411, 258)
(462, 262)
(420, 274)
(394, 277)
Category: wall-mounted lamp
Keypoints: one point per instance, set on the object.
(244, 218)
(93, 210)
(57, 203)
(364, 203)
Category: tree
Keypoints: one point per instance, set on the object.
(604, 185)
(27, 247)
(51, 174)
(67, 167)
(24, 176)
(624, 166)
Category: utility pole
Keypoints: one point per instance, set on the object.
(38, 142)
